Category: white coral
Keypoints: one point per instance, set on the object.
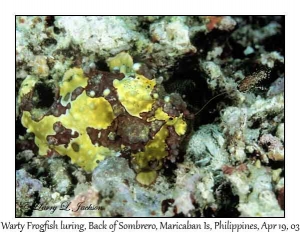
(227, 24)
(264, 107)
(269, 59)
(197, 183)
(216, 79)
(280, 132)
(239, 184)
(172, 37)
(234, 119)
(207, 146)
(105, 35)
(184, 203)
(266, 205)
(255, 192)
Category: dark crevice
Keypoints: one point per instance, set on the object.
(49, 41)
(233, 49)
(45, 96)
(50, 20)
(205, 42)
(276, 164)
(228, 201)
(189, 81)
(102, 65)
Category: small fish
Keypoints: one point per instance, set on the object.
(253, 80)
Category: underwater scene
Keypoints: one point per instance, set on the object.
(150, 116)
